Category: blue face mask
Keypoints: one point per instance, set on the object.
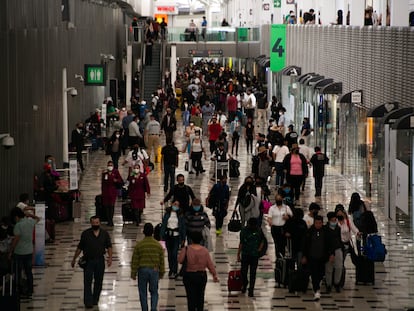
(332, 224)
(197, 208)
(175, 208)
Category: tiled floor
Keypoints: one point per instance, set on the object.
(59, 287)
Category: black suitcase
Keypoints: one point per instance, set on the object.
(234, 168)
(128, 214)
(365, 270)
(100, 211)
(283, 266)
(298, 281)
(9, 298)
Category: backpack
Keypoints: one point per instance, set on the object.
(374, 249)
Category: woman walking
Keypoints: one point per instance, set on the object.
(196, 260)
(137, 188)
(110, 182)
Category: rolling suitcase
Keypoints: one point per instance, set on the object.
(9, 298)
(298, 280)
(234, 281)
(365, 270)
(100, 211)
(283, 265)
(128, 214)
(234, 168)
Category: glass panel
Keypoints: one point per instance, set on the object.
(180, 34)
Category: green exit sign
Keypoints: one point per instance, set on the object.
(95, 75)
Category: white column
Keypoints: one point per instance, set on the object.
(65, 132)
(327, 8)
(128, 73)
(357, 8)
(399, 13)
(173, 64)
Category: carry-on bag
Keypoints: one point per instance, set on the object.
(9, 298)
(128, 214)
(364, 270)
(100, 211)
(298, 280)
(234, 281)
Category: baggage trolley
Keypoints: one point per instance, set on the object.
(221, 168)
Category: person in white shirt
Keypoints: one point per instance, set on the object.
(307, 153)
(282, 120)
(137, 156)
(135, 135)
(314, 209)
(250, 104)
(221, 119)
(278, 214)
(279, 153)
(152, 133)
(347, 229)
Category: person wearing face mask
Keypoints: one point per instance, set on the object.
(214, 131)
(78, 143)
(282, 120)
(196, 219)
(181, 193)
(235, 132)
(279, 213)
(114, 148)
(94, 244)
(207, 112)
(347, 229)
(218, 200)
(296, 168)
(137, 155)
(335, 263)
(196, 153)
(173, 233)
(110, 182)
(138, 187)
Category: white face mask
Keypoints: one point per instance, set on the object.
(136, 170)
(117, 136)
(110, 168)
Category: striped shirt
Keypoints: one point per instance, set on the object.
(148, 253)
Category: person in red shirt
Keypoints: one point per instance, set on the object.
(214, 130)
(138, 186)
(111, 181)
(231, 106)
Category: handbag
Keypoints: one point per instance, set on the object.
(266, 206)
(235, 224)
(82, 262)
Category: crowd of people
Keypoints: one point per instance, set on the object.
(216, 105)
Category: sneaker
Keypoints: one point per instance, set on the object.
(317, 296)
(172, 276)
(218, 232)
(190, 172)
(250, 294)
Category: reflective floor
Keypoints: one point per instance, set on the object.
(59, 287)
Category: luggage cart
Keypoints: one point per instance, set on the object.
(221, 168)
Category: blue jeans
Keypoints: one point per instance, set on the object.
(148, 276)
(172, 243)
(23, 262)
(169, 174)
(94, 270)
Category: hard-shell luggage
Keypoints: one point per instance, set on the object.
(128, 214)
(255, 164)
(9, 298)
(283, 266)
(234, 168)
(234, 281)
(298, 281)
(100, 211)
(364, 270)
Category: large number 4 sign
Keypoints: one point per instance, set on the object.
(277, 47)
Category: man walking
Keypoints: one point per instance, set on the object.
(152, 133)
(169, 125)
(22, 247)
(94, 243)
(318, 162)
(181, 193)
(148, 264)
(169, 162)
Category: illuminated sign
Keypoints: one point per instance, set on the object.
(166, 9)
(95, 75)
(205, 53)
